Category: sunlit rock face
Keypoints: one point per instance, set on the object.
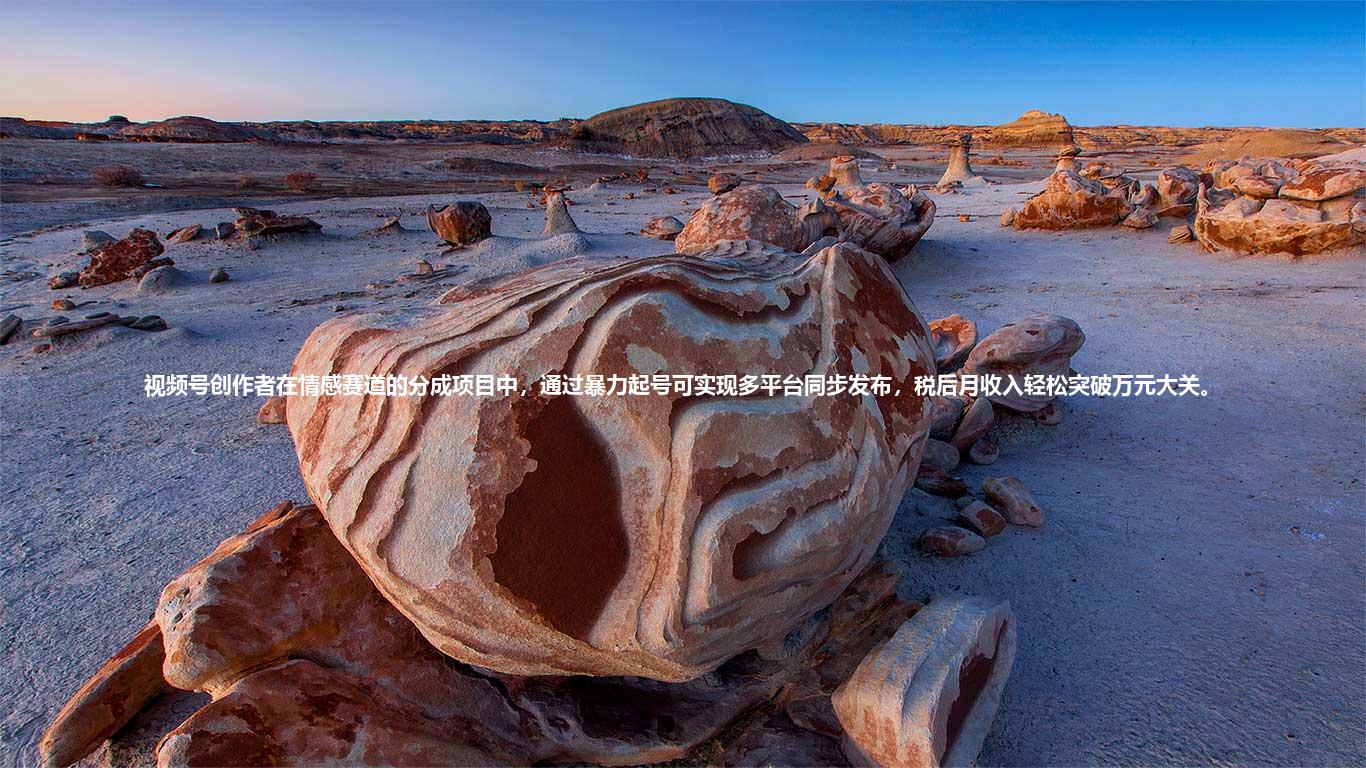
(651, 535)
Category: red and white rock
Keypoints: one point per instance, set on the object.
(542, 534)
(460, 224)
(1176, 190)
(1008, 496)
(977, 420)
(954, 337)
(755, 213)
(927, 697)
(129, 258)
(882, 218)
(1037, 344)
(1253, 225)
(1070, 201)
(951, 541)
(983, 519)
(722, 183)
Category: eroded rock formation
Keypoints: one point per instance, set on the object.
(684, 128)
(756, 213)
(130, 258)
(1269, 207)
(255, 222)
(462, 223)
(548, 535)
(1037, 344)
(959, 170)
(1070, 201)
(1034, 128)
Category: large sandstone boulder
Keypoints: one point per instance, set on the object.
(1070, 201)
(1034, 128)
(1035, 345)
(1254, 225)
(755, 213)
(1176, 190)
(654, 535)
(683, 128)
(461, 223)
(882, 218)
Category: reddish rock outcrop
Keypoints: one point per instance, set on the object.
(1253, 225)
(1072, 202)
(256, 222)
(722, 183)
(878, 217)
(1034, 128)
(1319, 183)
(756, 213)
(543, 534)
(982, 519)
(462, 223)
(683, 128)
(129, 258)
(1037, 344)
(1176, 191)
(928, 696)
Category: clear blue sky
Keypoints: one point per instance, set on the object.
(1273, 63)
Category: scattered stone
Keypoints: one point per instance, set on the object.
(1037, 344)
(256, 222)
(63, 280)
(945, 413)
(963, 217)
(462, 223)
(722, 183)
(94, 238)
(662, 228)
(927, 696)
(981, 518)
(389, 226)
(963, 502)
(219, 275)
(131, 257)
(1142, 217)
(162, 280)
(977, 420)
(150, 323)
(64, 328)
(951, 541)
(1008, 217)
(984, 451)
(424, 267)
(184, 234)
(954, 337)
(1072, 202)
(1176, 191)
(1179, 234)
(8, 326)
(1050, 415)
(1008, 496)
(568, 518)
(224, 230)
(933, 479)
(272, 411)
(940, 454)
(63, 305)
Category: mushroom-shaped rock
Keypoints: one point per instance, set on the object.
(845, 171)
(462, 223)
(132, 257)
(653, 535)
(954, 338)
(1072, 202)
(722, 183)
(1176, 190)
(1253, 225)
(662, 228)
(960, 167)
(755, 213)
(1037, 344)
(1067, 158)
(927, 696)
(882, 218)
(557, 218)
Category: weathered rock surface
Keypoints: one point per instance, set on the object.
(940, 454)
(951, 541)
(1321, 183)
(1142, 217)
(184, 234)
(928, 696)
(756, 213)
(461, 223)
(1067, 158)
(1176, 190)
(1034, 128)
(954, 338)
(684, 128)
(1072, 202)
(936, 480)
(1179, 234)
(132, 257)
(94, 238)
(662, 228)
(959, 170)
(1037, 344)
(1253, 225)
(548, 534)
(163, 279)
(1251, 177)
(983, 519)
(1008, 496)
(977, 420)
(984, 451)
(256, 222)
(881, 218)
(272, 411)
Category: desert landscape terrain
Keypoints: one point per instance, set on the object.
(1190, 592)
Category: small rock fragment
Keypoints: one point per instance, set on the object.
(462, 223)
(94, 238)
(662, 228)
(272, 411)
(1008, 496)
(224, 230)
(63, 280)
(1180, 233)
(151, 323)
(951, 541)
(65, 327)
(933, 479)
(1143, 217)
(162, 280)
(1050, 415)
(977, 419)
(940, 454)
(981, 518)
(184, 234)
(219, 275)
(984, 451)
(63, 305)
(424, 267)
(8, 326)
(722, 183)
(954, 337)
(945, 411)
(1008, 217)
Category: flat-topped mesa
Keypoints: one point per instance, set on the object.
(1034, 128)
(1067, 159)
(960, 168)
(557, 218)
(654, 535)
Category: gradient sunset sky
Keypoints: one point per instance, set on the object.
(1272, 64)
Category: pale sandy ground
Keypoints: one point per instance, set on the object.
(1196, 596)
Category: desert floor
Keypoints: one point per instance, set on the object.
(1195, 596)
